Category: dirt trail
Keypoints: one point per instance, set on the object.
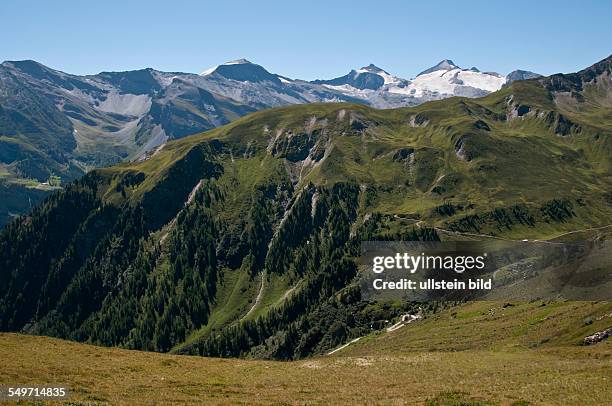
(508, 239)
(580, 231)
(344, 346)
(189, 200)
(263, 273)
(288, 292)
(473, 234)
(193, 192)
(406, 319)
(259, 295)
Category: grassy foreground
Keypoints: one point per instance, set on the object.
(476, 354)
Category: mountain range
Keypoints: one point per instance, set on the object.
(56, 126)
(241, 240)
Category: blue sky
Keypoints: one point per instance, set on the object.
(309, 39)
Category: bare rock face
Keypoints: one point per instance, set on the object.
(418, 120)
(403, 155)
(575, 82)
(460, 149)
(561, 125)
(598, 337)
(521, 75)
(294, 146)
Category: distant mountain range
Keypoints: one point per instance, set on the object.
(55, 126)
(380, 89)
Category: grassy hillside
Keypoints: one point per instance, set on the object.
(478, 354)
(241, 241)
(472, 155)
(550, 326)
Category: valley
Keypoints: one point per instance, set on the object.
(241, 241)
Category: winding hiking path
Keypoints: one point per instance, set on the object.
(344, 346)
(404, 320)
(473, 234)
(580, 231)
(508, 239)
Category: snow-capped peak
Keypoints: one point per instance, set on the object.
(369, 83)
(445, 64)
(373, 69)
(241, 61)
(209, 71)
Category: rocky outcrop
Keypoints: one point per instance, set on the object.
(418, 120)
(294, 146)
(520, 75)
(574, 82)
(561, 125)
(597, 337)
(403, 155)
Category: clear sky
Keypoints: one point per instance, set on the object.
(307, 39)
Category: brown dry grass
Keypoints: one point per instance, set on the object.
(377, 370)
